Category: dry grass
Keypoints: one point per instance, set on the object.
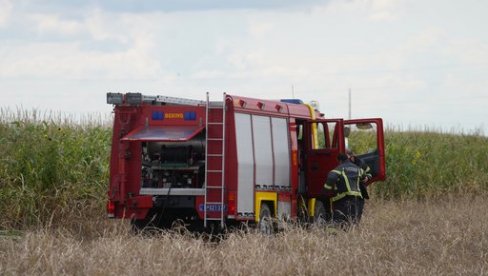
(401, 238)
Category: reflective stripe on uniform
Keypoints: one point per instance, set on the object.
(342, 195)
(349, 192)
(367, 172)
(346, 181)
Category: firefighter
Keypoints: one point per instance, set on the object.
(367, 171)
(344, 183)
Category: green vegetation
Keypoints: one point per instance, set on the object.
(53, 171)
(426, 165)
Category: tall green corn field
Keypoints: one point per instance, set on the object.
(51, 170)
(54, 171)
(428, 164)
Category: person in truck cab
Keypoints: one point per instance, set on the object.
(347, 200)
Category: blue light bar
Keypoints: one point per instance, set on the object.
(293, 101)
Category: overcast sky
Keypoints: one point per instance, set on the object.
(414, 63)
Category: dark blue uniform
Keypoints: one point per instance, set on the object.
(347, 202)
(367, 171)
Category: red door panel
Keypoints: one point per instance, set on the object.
(320, 161)
(365, 138)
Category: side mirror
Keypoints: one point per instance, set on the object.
(364, 126)
(347, 131)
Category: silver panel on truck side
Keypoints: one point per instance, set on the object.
(245, 161)
(263, 150)
(281, 152)
(172, 191)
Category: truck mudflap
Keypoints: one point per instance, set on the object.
(137, 207)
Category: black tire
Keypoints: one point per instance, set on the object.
(139, 226)
(265, 225)
(146, 225)
(320, 214)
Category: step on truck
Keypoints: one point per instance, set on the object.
(215, 164)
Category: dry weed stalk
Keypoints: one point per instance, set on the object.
(400, 238)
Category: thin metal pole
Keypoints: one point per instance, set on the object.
(350, 104)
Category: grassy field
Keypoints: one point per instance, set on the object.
(429, 217)
(440, 237)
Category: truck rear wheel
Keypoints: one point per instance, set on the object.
(148, 224)
(265, 225)
(140, 225)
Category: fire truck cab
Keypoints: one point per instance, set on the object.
(221, 163)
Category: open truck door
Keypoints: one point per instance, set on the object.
(332, 136)
(364, 137)
(325, 140)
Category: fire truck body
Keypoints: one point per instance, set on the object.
(220, 163)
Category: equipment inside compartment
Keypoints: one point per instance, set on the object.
(173, 164)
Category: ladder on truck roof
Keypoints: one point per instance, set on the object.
(171, 100)
(213, 208)
(136, 98)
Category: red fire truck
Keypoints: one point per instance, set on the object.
(214, 164)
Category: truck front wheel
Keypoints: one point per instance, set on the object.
(265, 224)
(320, 215)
